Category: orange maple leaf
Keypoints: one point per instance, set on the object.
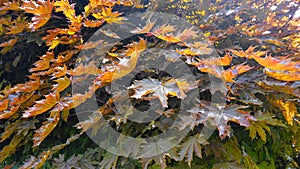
(283, 75)
(282, 64)
(228, 74)
(41, 10)
(249, 53)
(93, 24)
(125, 65)
(232, 72)
(42, 106)
(44, 63)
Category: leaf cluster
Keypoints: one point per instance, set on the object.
(256, 125)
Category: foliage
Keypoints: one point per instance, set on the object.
(259, 45)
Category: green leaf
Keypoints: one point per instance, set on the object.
(233, 149)
(258, 128)
(249, 163)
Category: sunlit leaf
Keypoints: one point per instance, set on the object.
(42, 105)
(283, 75)
(157, 89)
(41, 9)
(288, 108)
(232, 72)
(62, 84)
(109, 16)
(44, 63)
(282, 64)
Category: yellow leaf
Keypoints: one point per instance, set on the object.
(109, 16)
(62, 84)
(288, 110)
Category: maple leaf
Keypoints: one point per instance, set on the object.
(4, 104)
(5, 114)
(42, 11)
(110, 33)
(258, 128)
(159, 159)
(44, 63)
(249, 53)
(89, 45)
(13, 6)
(46, 128)
(109, 16)
(91, 68)
(283, 75)
(156, 88)
(26, 87)
(188, 52)
(278, 64)
(125, 65)
(68, 55)
(232, 72)
(168, 37)
(42, 105)
(213, 61)
(187, 33)
(59, 72)
(163, 30)
(228, 74)
(18, 26)
(288, 108)
(73, 101)
(219, 116)
(65, 7)
(62, 84)
(192, 145)
(283, 87)
(92, 23)
(7, 46)
(146, 29)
